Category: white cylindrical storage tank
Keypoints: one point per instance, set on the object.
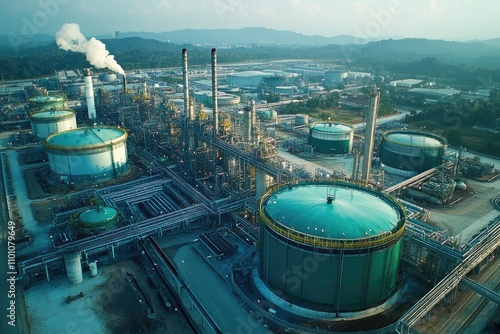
(301, 119)
(93, 269)
(47, 122)
(107, 77)
(227, 99)
(73, 267)
(262, 182)
(76, 89)
(335, 76)
(87, 155)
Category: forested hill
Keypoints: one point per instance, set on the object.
(134, 52)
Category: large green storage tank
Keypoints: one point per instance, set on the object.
(97, 219)
(331, 138)
(48, 102)
(409, 152)
(333, 247)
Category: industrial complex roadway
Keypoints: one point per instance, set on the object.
(473, 257)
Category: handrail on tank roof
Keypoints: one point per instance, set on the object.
(334, 243)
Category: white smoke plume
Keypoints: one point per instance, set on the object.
(70, 38)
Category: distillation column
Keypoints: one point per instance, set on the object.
(185, 83)
(248, 124)
(215, 129)
(255, 133)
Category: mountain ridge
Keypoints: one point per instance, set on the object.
(233, 37)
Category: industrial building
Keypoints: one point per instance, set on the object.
(434, 94)
(406, 83)
(247, 79)
(286, 90)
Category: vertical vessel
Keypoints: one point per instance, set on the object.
(370, 133)
(89, 94)
(214, 93)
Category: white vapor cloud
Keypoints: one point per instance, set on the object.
(70, 38)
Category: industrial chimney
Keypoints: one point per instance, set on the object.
(185, 83)
(255, 137)
(89, 94)
(248, 123)
(191, 108)
(124, 85)
(370, 132)
(215, 129)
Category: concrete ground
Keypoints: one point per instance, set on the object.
(39, 233)
(465, 218)
(109, 305)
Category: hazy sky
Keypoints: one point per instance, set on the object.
(437, 19)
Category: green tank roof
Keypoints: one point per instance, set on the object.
(86, 138)
(415, 139)
(52, 114)
(332, 127)
(48, 99)
(355, 212)
(98, 216)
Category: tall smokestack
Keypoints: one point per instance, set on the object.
(255, 138)
(89, 94)
(248, 123)
(191, 109)
(191, 118)
(124, 84)
(371, 120)
(185, 83)
(214, 93)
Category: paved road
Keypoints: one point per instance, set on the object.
(214, 294)
(473, 313)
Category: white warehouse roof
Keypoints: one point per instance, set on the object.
(406, 82)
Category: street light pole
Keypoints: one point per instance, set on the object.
(342, 250)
